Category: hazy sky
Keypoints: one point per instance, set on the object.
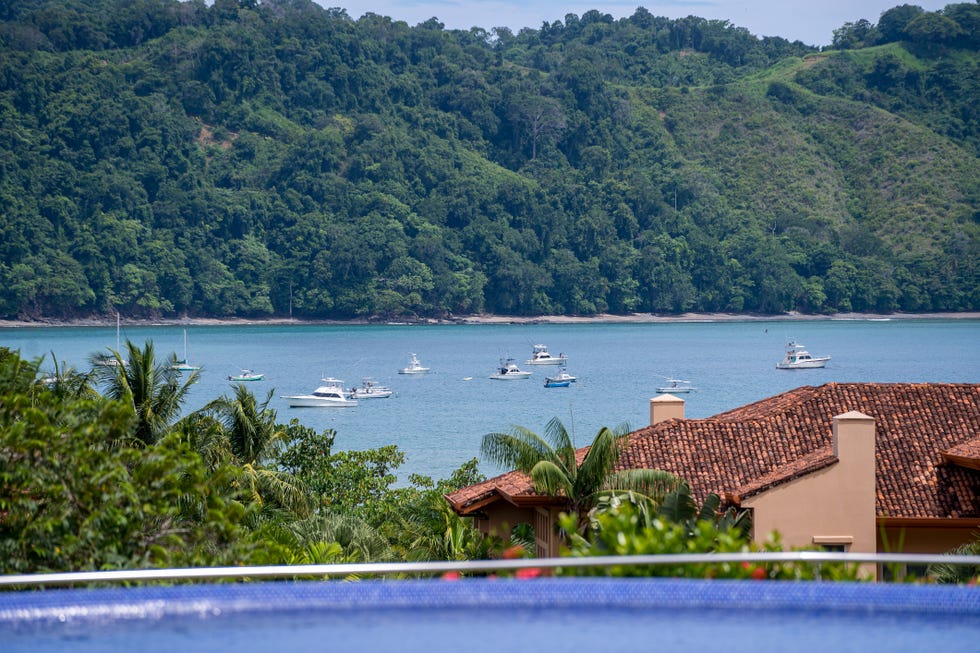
(810, 21)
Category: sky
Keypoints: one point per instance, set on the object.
(811, 21)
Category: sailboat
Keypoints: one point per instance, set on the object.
(182, 365)
(107, 360)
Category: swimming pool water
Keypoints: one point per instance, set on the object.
(479, 615)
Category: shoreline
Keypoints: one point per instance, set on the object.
(633, 318)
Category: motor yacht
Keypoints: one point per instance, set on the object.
(798, 358)
(414, 366)
(541, 356)
(329, 394)
(371, 390)
(676, 386)
(508, 371)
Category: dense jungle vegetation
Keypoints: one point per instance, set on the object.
(270, 158)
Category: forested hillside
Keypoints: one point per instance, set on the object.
(270, 158)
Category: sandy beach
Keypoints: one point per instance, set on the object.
(635, 318)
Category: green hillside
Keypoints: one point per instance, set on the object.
(165, 158)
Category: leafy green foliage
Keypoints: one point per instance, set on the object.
(166, 158)
(75, 496)
(82, 488)
(621, 530)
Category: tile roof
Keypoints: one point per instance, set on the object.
(927, 448)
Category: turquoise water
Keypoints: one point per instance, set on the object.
(438, 419)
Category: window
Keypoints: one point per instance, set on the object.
(834, 543)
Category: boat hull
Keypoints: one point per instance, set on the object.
(372, 394)
(811, 364)
(304, 401)
(546, 361)
(557, 384)
(512, 376)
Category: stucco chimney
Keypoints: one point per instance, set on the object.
(665, 407)
(854, 446)
(854, 435)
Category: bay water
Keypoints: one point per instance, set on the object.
(439, 418)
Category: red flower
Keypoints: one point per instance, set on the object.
(531, 572)
(452, 575)
(759, 573)
(516, 551)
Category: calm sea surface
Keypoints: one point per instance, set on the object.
(438, 419)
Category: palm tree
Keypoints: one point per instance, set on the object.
(250, 426)
(555, 468)
(66, 383)
(251, 432)
(433, 531)
(155, 391)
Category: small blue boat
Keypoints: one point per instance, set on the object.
(560, 380)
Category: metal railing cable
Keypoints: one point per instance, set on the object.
(370, 569)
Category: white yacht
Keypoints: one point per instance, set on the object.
(331, 393)
(798, 358)
(676, 386)
(508, 371)
(541, 356)
(371, 390)
(414, 366)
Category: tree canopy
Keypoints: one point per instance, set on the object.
(275, 158)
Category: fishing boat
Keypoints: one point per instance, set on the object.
(246, 375)
(182, 365)
(798, 358)
(508, 371)
(371, 390)
(330, 394)
(561, 380)
(676, 386)
(541, 356)
(414, 366)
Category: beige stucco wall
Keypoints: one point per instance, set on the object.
(835, 505)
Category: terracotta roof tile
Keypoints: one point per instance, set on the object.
(926, 435)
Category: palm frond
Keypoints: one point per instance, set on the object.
(561, 442)
(550, 478)
(598, 462)
(521, 448)
(654, 483)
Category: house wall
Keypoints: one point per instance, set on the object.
(831, 507)
(502, 517)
